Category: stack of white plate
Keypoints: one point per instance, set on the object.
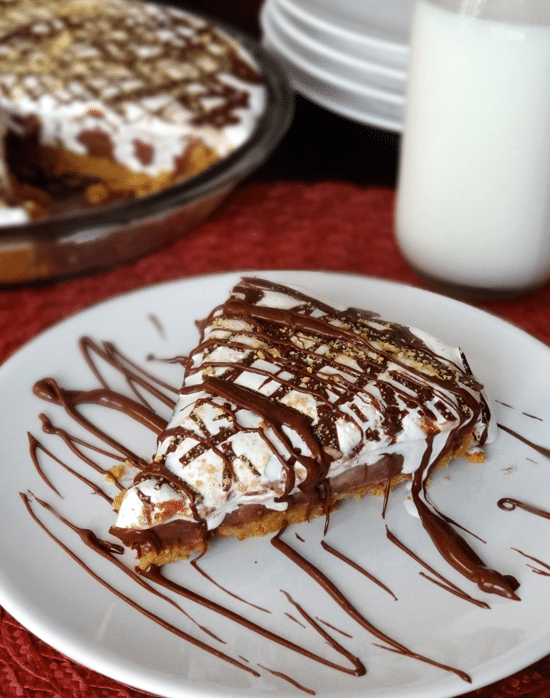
(349, 56)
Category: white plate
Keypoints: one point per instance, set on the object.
(323, 73)
(62, 604)
(369, 106)
(354, 75)
(342, 65)
(382, 24)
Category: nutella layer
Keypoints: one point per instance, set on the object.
(288, 402)
(126, 94)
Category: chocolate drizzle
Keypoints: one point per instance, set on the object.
(356, 567)
(509, 504)
(289, 679)
(347, 362)
(194, 563)
(277, 417)
(536, 447)
(108, 552)
(48, 389)
(35, 446)
(154, 573)
(457, 552)
(358, 617)
(121, 53)
(543, 572)
(440, 580)
(51, 392)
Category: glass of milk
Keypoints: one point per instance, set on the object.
(473, 203)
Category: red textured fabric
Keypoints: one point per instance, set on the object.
(332, 226)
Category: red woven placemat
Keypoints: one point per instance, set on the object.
(332, 226)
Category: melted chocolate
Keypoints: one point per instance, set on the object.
(289, 615)
(277, 416)
(532, 416)
(154, 574)
(440, 581)
(332, 627)
(357, 567)
(157, 324)
(194, 564)
(35, 446)
(457, 552)
(290, 680)
(135, 375)
(350, 609)
(543, 450)
(48, 389)
(545, 572)
(105, 549)
(509, 504)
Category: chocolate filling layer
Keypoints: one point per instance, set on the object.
(180, 534)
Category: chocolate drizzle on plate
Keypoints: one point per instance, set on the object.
(543, 450)
(350, 609)
(357, 567)
(287, 678)
(509, 504)
(543, 572)
(195, 564)
(436, 578)
(457, 552)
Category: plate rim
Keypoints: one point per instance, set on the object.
(387, 44)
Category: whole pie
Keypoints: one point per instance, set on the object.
(102, 100)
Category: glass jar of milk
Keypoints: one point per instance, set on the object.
(473, 204)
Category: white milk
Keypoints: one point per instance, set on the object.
(473, 203)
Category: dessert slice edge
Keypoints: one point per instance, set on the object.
(290, 404)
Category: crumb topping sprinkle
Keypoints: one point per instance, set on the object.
(284, 392)
(122, 52)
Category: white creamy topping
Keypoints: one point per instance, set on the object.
(136, 72)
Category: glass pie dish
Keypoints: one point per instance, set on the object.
(96, 238)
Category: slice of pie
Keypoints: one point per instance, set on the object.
(289, 405)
